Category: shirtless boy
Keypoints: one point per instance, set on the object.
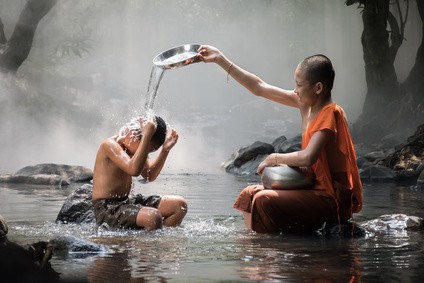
(327, 152)
(124, 156)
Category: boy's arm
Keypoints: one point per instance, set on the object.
(250, 81)
(131, 165)
(152, 169)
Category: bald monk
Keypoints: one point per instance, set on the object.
(327, 153)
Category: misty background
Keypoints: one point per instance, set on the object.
(88, 73)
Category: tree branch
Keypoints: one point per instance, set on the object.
(396, 37)
(20, 42)
(3, 39)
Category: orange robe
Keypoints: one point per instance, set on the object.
(336, 165)
(336, 194)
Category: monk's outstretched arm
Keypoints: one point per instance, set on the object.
(250, 81)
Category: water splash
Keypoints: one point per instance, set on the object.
(132, 126)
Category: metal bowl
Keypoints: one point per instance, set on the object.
(178, 56)
(285, 178)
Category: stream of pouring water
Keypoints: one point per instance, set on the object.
(152, 89)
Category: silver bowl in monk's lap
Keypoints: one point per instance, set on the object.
(177, 57)
(285, 178)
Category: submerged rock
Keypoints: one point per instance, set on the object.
(389, 222)
(78, 206)
(342, 230)
(70, 243)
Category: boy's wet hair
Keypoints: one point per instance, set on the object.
(159, 136)
(134, 127)
(318, 68)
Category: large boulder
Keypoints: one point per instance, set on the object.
(250, 152)
(408, 157)
(68, 172)
(247, 169)
(49, 174)
(78, 206)
(284, 145)
(376, 173)
(246, 159)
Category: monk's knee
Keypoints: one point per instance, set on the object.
(266, 204)
(262, 199)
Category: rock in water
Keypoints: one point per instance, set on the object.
(67, 172)
(394, 222)
(73, 244)
(3, 228)
(78, 206)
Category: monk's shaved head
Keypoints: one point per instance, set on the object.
(318, 68)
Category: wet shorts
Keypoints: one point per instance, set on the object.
(122, 212)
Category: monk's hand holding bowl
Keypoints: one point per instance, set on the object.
(269, 161)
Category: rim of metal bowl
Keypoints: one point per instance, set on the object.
(191, 47)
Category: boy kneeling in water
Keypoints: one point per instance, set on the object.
(123, 156)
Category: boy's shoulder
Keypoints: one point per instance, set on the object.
(109, 144)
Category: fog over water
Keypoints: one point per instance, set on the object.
(64, 101)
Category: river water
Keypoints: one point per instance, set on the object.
(212, 245)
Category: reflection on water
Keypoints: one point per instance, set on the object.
(212, 244)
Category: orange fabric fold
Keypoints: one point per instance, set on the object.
(338, 158)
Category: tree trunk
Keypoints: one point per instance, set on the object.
(380, 72)
(20, 43)
(414, 83)
(380, 48)
(3, 39)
